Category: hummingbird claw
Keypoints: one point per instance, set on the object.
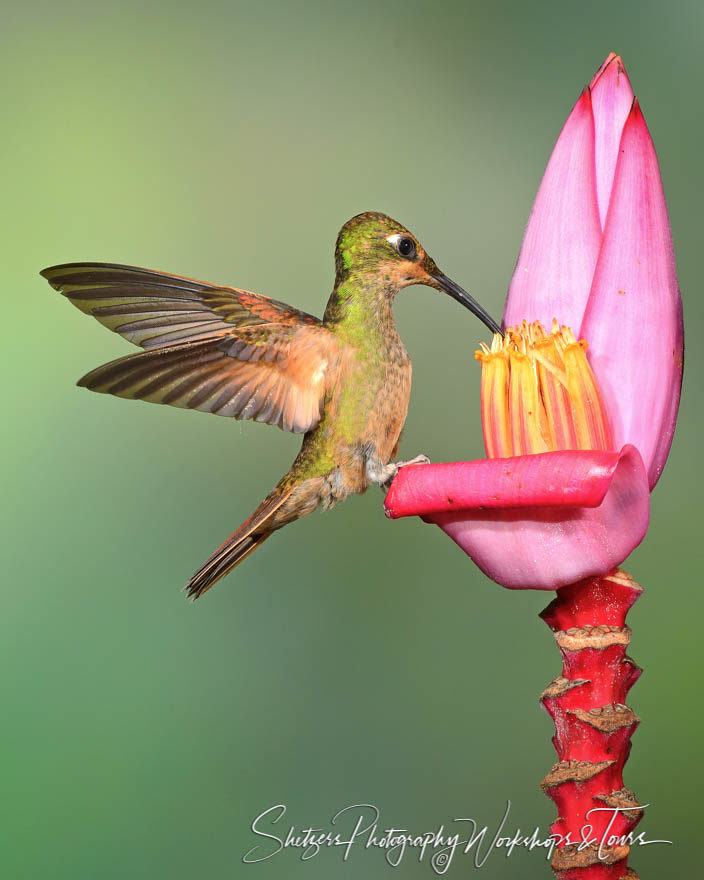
(395, 466)
(419, 459)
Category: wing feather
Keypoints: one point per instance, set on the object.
(153, 309)
(287, 388)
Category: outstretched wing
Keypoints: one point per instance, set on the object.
(270, 373)
(216, 349)
(153, 309)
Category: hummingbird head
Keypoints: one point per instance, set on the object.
(375, 245)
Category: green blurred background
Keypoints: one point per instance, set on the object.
(352, 659)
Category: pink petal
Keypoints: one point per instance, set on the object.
(633, 321)
(569, 478)
(609, 58)
(545, 547)
(612, 98)
(561, 244)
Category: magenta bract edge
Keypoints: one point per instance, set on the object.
(570, 478)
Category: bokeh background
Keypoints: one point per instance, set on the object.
(351, 659)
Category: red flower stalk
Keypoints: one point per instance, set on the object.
(593, 727)
(577, 429)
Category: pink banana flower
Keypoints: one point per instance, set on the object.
(577, 433)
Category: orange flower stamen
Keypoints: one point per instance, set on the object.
(539, 393)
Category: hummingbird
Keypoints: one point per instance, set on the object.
(343, 382)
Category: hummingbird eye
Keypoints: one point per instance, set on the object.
(406, 247)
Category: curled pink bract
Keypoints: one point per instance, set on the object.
(633, 319)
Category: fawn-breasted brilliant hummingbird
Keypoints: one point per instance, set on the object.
(344, 382)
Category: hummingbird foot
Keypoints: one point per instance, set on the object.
(393, 468)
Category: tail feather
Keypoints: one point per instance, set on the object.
(239, 545)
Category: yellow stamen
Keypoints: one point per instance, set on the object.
(539, 393)
(495, 372)
(524, 406)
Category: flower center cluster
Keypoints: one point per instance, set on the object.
(539, 393)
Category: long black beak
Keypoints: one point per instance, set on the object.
(456, 292)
